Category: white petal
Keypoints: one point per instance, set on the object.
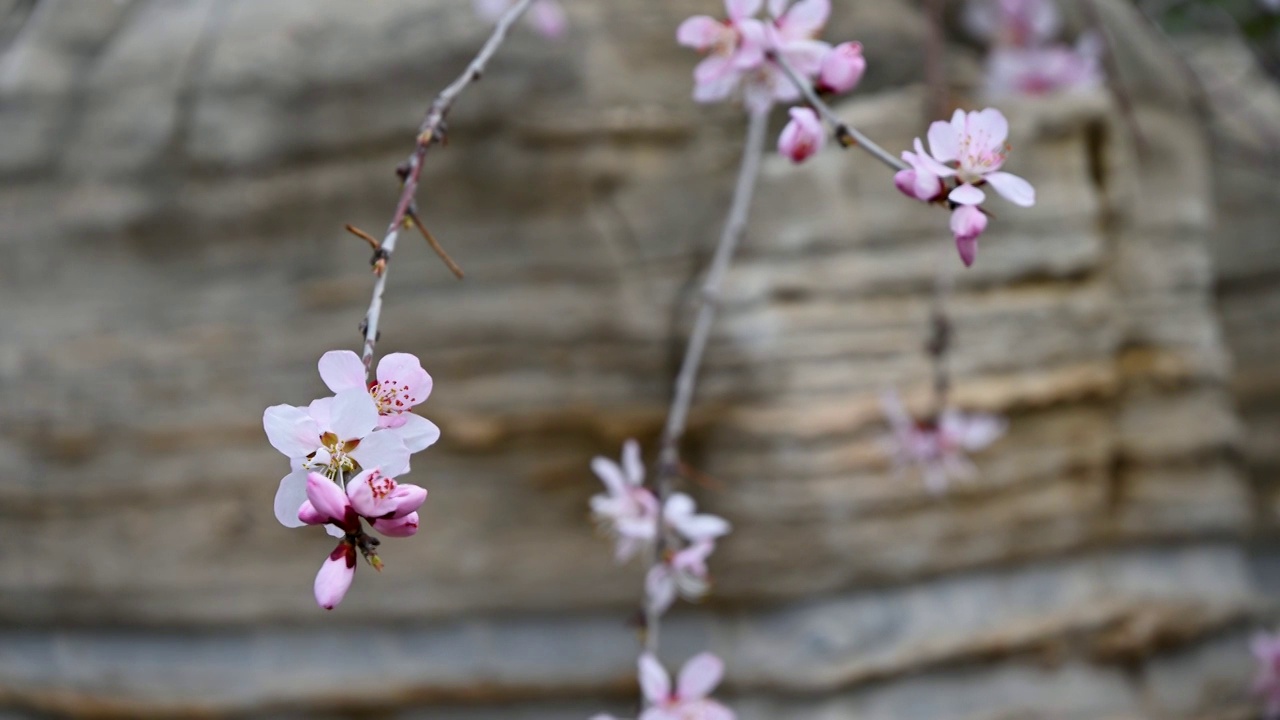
(740, 9)
(354, 414)
(291, 430)
(654, 680)
(944, 143)
(383, 450)
(699, 676)
(341, 370)
(967, 194)
(1013, 188)
(289, 497)
(417, 432)
(631, 463)
(679, 506)
(610, 474)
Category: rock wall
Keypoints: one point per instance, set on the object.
(176, 177)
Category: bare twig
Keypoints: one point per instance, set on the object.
(431, 130)
(686, 380)
(414, 219)
(373, 242)
(845, 134)
(934, 69)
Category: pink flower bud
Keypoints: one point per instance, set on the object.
(328, 504)
(803, 136)
(967, 223)
(335, 576)
(842, 68)
(398, 527)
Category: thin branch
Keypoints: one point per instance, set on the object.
(416, 220)
(686, 380)
(431, 130)
(941, 333)
(934, 50)
(845, 134)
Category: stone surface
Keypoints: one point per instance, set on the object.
(176, 178)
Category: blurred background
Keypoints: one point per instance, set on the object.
(176, 175)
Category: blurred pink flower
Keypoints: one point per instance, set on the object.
(400, 384)
(975, 143)
(1016, 23)
(684, 574)
(791, 33)
(1266, 649)
(547, 17)
(842, 68)
(733, 47)
(967, 223)
(919, 181)
(680, 514)
(627, 510)
(939, 447)
(1043, 70)
(688, 700)
(803, 136)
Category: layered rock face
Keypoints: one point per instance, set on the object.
(176, 179)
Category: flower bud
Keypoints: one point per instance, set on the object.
(842, 68)
(967, 223)
(803, 136)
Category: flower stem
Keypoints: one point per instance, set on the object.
(845, 134)
(686, 380)
(430, 131)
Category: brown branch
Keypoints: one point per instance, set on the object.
(412, 218)
(431, 130)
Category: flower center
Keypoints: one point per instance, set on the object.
(392, 399)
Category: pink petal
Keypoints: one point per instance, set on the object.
(966, 194)
(699, 32)
(310, 516)
(342, 370)
(805, 19)
(967, 223)
(777, 8)
(712, 710)
(289, 498)
(405, 372)
(335, 576)
(699, 677)
(384, 450)
(927, 162)
(610, 474)
(1013, 188)
(988, 129)
(327, 498)
(354, 414)
(416, 432)
(805, 56)
(291, 430)
(712, 68)
(741, 9)
(944, 142)
(660, 588)
(842, 68)
(631, 464)
(374, 495)
(397, 527)
(654, 681)
(751, 45)
(803, 135)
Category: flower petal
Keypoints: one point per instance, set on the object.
(291, 430)
(988, 130)
(610, 474)
(660, 588)
(1013, 188)
(944, 142)
(327, 498)
(383, 450)
(699, 32)
(354, 414)
(335, 576)
(654, 681)
(805, 19)
(417, 432)
(397, 527)
(404, 371)
(741, 9)
(699, 677)
(341, 370)
(289, 498)
(966, 194)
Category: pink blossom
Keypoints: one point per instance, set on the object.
(792, 35)
(688, 700)
(842, 68)
(1016, 23)
(1042, 70)
(400, 385)
(684, 573)
(974, 144)
(547, 17)
(626, 510)
(332, 435)
(680, 514)
(939, 446)
(803, 136)
(1266, 649)
(919, 181)
(390, 507)
(967, 223)
(733, 47)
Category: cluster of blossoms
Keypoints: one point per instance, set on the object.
(964, 155)
(688, 700)
(939, 446)
(1024, 59)
(629, 513)
(546, 17)
(742, 56)
(345, 452)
